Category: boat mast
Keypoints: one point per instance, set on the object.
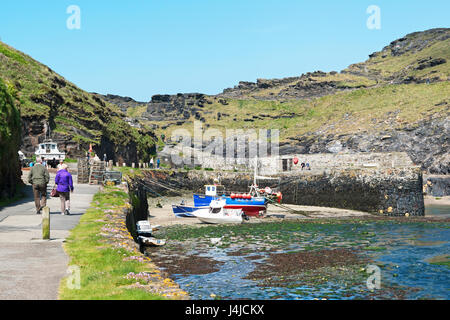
(254, 188)
(256, 171)
(47, 131)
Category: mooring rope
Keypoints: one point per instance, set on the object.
(273, 202)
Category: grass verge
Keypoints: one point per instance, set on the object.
(103, 265)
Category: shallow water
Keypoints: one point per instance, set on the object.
(437, 210)
(401, 251)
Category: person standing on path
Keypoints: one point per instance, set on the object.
(59, 165)
(39, 179)
(64, 183)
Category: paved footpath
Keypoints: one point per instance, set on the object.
(32, 268)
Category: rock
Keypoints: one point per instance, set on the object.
(428, 63)
(334, 146)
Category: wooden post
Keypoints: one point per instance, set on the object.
(46, 223)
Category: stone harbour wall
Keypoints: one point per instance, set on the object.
(139, 206)
(393, 191)
(387, 191)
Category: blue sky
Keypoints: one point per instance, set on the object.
(140, 48)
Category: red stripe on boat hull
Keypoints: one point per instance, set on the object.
(252, 211)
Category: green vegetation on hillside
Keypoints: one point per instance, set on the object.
(10, 129)
(422, 55)
(78, 116)
(406, 82)
(365, 109)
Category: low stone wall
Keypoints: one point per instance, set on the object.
(271, 165)
(389, 191)
(352, 160)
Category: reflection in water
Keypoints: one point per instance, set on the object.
(437, 210)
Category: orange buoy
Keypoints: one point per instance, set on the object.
(279, 197)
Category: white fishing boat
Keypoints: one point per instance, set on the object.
(218, 214)
(145, 236)
(48, 151)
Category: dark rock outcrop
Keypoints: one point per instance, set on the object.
(427, 143)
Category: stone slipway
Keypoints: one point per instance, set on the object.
(32, 268)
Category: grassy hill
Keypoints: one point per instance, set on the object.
(76, 118)
(417, 57)
(400, 92)
(397, 100)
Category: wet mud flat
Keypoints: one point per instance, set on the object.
(306, 259)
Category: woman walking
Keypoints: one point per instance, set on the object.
(64, 183)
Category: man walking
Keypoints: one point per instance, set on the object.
(39, 179)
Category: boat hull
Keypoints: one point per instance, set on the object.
(186, 211)
(249, 210)
(201, 200)
(251, 207)
(207, 218)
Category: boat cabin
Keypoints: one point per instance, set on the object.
(47, 148)
(48, 151)
(210, 190)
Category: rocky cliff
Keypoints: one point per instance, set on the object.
(419, 57)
